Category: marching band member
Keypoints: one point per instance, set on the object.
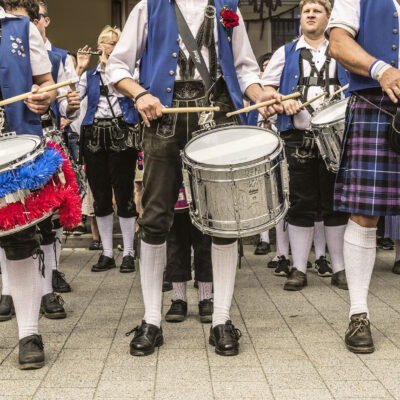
(171, 75)
(305, 66)
(22, 250)
(364, 38)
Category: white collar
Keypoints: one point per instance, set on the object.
(302, 43)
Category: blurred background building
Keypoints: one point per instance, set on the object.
(270, 23)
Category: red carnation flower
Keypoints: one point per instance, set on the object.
(229, 18)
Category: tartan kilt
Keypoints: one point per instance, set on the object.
(368, 180)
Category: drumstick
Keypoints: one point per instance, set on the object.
(342, 89)
(314, 99)
(183, 110)
(264, 104)
(41, 90)
(61, 96)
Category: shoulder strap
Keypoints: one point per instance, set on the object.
(105, 93)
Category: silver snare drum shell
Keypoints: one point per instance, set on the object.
(328, 127)
(236, 181)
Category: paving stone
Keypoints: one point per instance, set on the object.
(18, 388)
(183, 391)
(64, 394)
(357, 389)
(125, 389)
(237, 374)
(303, 394)
(242, 390)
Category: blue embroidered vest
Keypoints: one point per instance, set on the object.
(290, 79)
(160, 60)
(55, 60)
(16, 75)
(61, 52)
(129, 113)
(379, 36)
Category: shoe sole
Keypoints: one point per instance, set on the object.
(55, 315)
(4, 318)
(28, 366)
(293, 288)
(325, 275)
(271, 266)
(175, 318)
(127, 271)
(58, 290)
(205, 319)
(227, 353)
(260, 253)
(102, 269)
(285, 274)
(142, 353)
(361, 350)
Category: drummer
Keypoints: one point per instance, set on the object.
(171, 77)
(365, 39)
(26, 70)
(305, 66)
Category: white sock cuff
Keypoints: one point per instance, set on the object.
(360, 236)
(225, 246)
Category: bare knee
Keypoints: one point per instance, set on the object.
(366, 221)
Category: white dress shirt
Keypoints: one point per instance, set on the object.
(103, 109)
(273, 73)
(346, 15)
(70, 72)
(40, 63)
(132, 43)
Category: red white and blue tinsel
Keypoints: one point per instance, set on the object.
(53, 194)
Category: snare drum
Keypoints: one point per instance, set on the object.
(236, 181)
(36, 179)
(328, 128)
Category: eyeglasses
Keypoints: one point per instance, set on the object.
(40, 15)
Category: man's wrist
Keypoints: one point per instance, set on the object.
(377, 69)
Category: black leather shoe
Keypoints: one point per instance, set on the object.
(104, 264)
(283, 267)
(59, 283)
(177, 312)
(262, 249)
(396, 268)
(225, 338)
(206, 309)
(358, 336)
(296, 280)
(339, 280)
(31, 354)
(272, 264)
(128, 265)
(6, 308)
(147, 337)
(52, 306)
(323, 268)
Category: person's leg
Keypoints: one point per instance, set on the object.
(6, 303)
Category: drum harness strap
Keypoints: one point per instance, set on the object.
(3, 120)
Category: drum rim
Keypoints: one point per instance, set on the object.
(27, 157)
(20, 228)
(222, 167)
(316, 113)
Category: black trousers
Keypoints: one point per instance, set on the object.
(162, 144)
(181, 237)
(311, 184)
(107, 170)
(21, 245)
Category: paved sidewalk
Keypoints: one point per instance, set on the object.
(292, 345)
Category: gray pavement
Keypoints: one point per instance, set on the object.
(292, 345)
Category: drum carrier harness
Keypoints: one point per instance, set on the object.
(3, 120)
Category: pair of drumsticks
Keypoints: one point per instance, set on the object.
(177, 110)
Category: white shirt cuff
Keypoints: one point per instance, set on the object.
(344, 26)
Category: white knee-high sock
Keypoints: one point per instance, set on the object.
(49, 265)
(359, 258)
(335, 240)
(128, 233)
(26, 290)
(153, 259)
(300, 242)
(105, 225)
(5, 288)
(224, 262)
(319, 240)
(397, 243)
(282, 239)
(264, 236)
(58, 246)
(179, 291)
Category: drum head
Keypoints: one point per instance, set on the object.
(333, 113)
(232, 145)
(17, 148)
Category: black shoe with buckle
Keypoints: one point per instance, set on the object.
(31, 353)
(128, 265)
(147, 337)
(339, 280)
(262, 249)
(358, 336)
(104, 264)
(296, 280)
(206, 309)
(177, 312)
(323, 268)
(225, 338)
(52, 306)
(283, 267)
(6, 308)
(59, 283)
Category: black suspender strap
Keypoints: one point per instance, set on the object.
(104, 92)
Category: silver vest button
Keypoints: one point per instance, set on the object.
(394, 47)
(171, 72)
(393, 63)
(169, 90)
(174, 55)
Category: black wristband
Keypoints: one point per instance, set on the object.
(140, 95)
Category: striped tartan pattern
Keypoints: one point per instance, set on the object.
(368, 181)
